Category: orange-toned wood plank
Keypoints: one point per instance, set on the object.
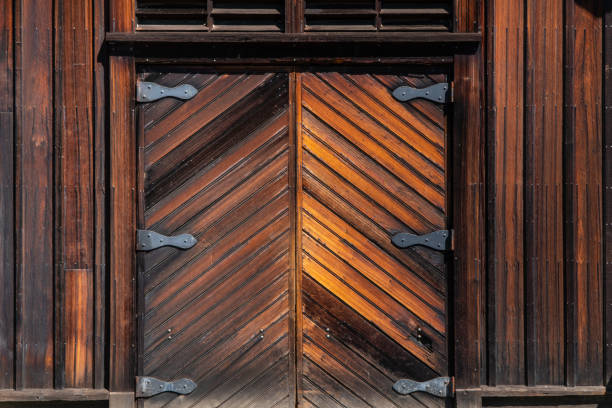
(122, 224)
(74, 167)
(413, 219)
(583, 207)
(34, 338)
(370, 312)
(506, 260)
(469, 203)
(544, 283)
(385, 159)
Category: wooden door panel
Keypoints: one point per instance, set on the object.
(219, 167)
(371, 167)
(216, 167)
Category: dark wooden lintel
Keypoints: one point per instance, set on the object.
(185, 38)
(301, 47)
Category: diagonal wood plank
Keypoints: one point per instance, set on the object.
(371, 167)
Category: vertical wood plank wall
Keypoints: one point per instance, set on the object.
(505, 237)
(7, 244)
(544, 191)
(34, 185)
(52, 269)
(468, 192)
(74, 194)
(607, 197)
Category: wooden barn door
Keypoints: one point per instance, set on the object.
(293, 186)
(372, 313)
(216, 167)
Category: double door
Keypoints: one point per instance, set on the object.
(294, 185)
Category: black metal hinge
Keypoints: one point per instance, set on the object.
(440, 93)
(150, 240)
(149, 386)
(442, 387)
(150, 91)
(439, 240)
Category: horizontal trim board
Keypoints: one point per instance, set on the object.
(155, 38)
(538, 391)
(67, 394)
(267, 63)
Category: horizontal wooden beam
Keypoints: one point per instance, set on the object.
(67, 394)
(538, 391)
(416, 38)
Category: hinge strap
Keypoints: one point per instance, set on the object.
(150, 91)
(440, 387)
(149, 386)
(436, 93)
(439, 240)
(149, 240)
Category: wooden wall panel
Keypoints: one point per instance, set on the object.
(607, 191)
(505, 185)
(468, 212)
(122, 208)
(74, 172)
(7, 265)
(34, 193)
(100, 196)
(544, 305)
(122, 224)
(583, 183)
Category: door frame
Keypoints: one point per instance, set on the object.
(466, 212)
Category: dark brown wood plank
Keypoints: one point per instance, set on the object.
(505, 181)
(360, 334)
(34, 194)
(469, 205)
(74, 172)
(544, 283)
(440, 38)
(7, 221)
(100, 190)
(122, 224)
(583, 181)
(217, 167)
(607, 193)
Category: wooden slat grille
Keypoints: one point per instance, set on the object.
(377, 15)
(211, 15)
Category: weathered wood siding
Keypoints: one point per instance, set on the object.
(52, 269)
(544, 180)
(533, 301)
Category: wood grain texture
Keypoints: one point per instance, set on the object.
(122, 215)
(544, 281)
(75, 206)
(7, 182)
(100, 194)
(34, 194)
(216, 166)
(121, 15)
(372, 166)
(607, 192)
(469, 204)
(583, 199)
(505, 180)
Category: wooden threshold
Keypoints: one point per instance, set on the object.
(67, 394)
(415, 38)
